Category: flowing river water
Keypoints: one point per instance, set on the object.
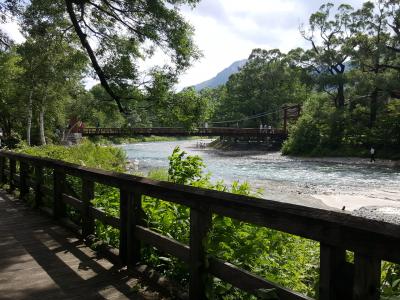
(326, 183)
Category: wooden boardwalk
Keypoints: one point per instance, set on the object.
(41, 260)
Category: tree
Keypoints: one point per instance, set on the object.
(331, 48)
(189, 109)
(7, 9)
(372, 55)
(10, 107)
(262, 86)
(52, 68)
(124, 32)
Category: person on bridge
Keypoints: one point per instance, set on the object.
(372, 152)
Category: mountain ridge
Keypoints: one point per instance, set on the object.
(222, 77)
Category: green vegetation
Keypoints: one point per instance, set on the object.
(347, 80)
(348, 83)
(86, 154)
(44, 76)
(283, 258)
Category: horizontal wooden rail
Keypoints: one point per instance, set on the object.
(75, 203)
(104, 218)
(248, 281)
(213, 131)
(370, 240)
(163, 243)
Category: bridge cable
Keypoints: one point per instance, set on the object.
(247, 118)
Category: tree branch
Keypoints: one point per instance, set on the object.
(92, 56)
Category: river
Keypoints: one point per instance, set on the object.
(332, 182)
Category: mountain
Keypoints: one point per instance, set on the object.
(222, 77)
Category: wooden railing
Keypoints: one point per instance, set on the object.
(370, 240)
(165, 131)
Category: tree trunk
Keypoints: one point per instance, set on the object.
(340, 94)
(29, 123)
(41, 126)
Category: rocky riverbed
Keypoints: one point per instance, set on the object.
(352, 185)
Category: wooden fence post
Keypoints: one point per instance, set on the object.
(23, 184)
(124, 198)
(38, 186)
(12, 171)
(87, 197)
(134, 217)
(367, 275)
(130, 216)
(336, 275)
(200, 223)
(59, 210)
(3, 178)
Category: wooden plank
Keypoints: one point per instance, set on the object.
(134, 217)
(48, 211)
(76, 203)
(367, 273)
(163, 243)
(66, 222)
(249, 282)
(58, 190)
(336, 275)
(200, 222)
(87, 197)
(104, 218)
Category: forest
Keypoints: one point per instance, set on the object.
(347, 80)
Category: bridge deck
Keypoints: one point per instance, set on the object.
(40, 260)
(273, 133)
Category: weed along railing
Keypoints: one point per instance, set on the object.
(371, 241)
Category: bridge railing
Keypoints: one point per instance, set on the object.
(370, 240)
(171, 131)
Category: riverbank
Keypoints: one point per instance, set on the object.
(327, 183)
(138, 139)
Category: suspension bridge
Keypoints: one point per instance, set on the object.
(261, 134)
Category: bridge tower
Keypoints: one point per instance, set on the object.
(290, 112)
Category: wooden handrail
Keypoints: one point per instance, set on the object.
(171, 131)
(370, 240)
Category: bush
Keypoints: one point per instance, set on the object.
(283, 258)
(85, 154)
(323, 130)
(313, 128)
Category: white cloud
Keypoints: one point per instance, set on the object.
(227, 30)
(12, 30)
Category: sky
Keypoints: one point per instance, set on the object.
(227, 31)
